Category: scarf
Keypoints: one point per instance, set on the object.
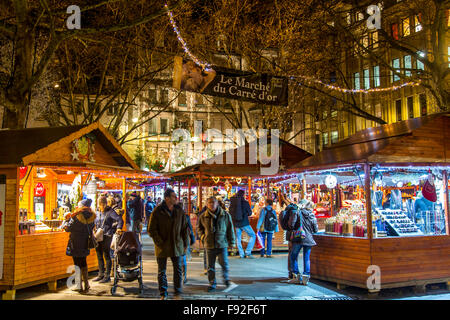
(214, 216)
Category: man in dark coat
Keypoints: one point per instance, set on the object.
(80, 226)
(240, 211)
(135, 211)
(169, 229)
(215, 228)
(149, 206)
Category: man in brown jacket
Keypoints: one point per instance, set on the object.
(169, 229)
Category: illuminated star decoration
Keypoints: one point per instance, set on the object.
(74, 155)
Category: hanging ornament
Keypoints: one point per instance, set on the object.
(216, 179)
(330, 181)
(238, 180)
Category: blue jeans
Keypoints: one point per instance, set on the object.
(222, 255)
(269, 237)
(249, 231)
(293, 258)
(177, 274)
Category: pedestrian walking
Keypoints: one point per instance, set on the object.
(134, 212)
(205, 263)
(240, 211)
(305, 242)
(107, 223)
(188, 253)
(286, 218)
(215, 227)
(169, 229)
(267, 225)
(149, 206)
(80, 227)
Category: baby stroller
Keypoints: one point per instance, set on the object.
(127, 264)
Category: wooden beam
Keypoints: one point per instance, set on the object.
(199, 192)
(250, 191)
(124, 203)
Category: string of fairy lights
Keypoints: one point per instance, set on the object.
(207, 66)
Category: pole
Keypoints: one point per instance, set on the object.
(446, 203)
(124, 203)
(250, 191)
(179, 191)
(269, 196)
(199, 192)
(189, 197)
(368, 201)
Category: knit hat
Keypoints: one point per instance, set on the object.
(85, 203)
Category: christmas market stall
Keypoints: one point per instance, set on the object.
(389, 203)
(44, 172)
(239, 168)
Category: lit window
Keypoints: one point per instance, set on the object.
(373, 39)
(152, 126)
(376, 76)
(420, 65)
(359, 16)
(394, 29)
(164, 126)
(334, 136)
(356, 81)
(366, 79)
(417, 24)
(395, 65)
(325, 138)
(407, 65)
(349, 18)
(365, 41)
(406, 27)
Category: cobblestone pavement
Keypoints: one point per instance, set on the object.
(253, 279)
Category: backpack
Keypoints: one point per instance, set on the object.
(286, 214)
(270, 220)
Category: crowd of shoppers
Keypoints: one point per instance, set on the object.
(173, 235)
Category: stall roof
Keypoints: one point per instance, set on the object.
(418, 140)
(289, 154)
(22, 146)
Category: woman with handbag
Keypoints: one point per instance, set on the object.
(81, 241)
(106, 225)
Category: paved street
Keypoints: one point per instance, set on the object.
(252, 279)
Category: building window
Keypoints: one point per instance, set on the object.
(334, 136)
(182, 99)
(349, 18)
(152, 126)
(373, 39)
(423, 104)
(356, 84)
(420, 65)
(394, 30)
(410, 105)
(199, 100)
(164, 96)
(164, 126)
(365, 41)
(398, 109)
(152, 95)
(325, 138)
(395, 65)
(407, 65)
(376, 76)
(366, 79)
(112, 109)
(417, 23)
(359, 16)
(406, 30)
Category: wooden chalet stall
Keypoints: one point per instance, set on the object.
(37, 168)
(394, 226)
(234, 174)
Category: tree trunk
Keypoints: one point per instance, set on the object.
(15, 119)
